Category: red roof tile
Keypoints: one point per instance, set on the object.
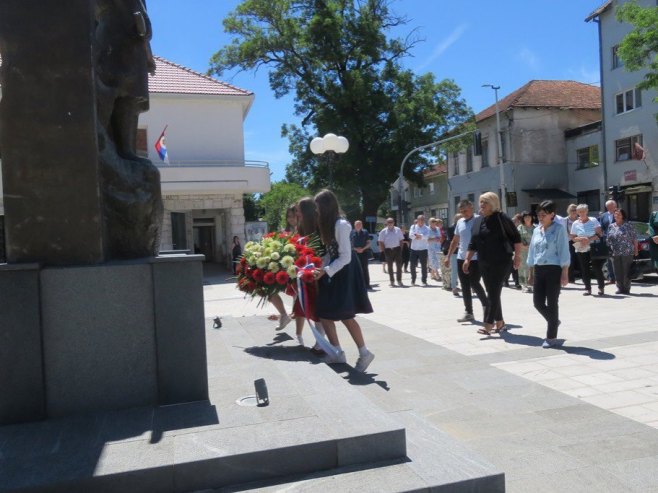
(435, 170)
(172, 78)
(565, 94)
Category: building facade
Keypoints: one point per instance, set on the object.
(429, 199)
(535, 162)
(629, 128)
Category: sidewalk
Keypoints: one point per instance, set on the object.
(580, 418)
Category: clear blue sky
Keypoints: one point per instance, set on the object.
(473, 42)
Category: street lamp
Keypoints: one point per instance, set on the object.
(333, 144)
(412, 151)
(503, 198)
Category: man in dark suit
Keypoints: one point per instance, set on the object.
(361, 244)
(606, 219)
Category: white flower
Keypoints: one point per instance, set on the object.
(292, 272)
(261, 263)
(287, 261)
(276, 245)
(274, 267)
(275, 256)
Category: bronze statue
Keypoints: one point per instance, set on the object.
(131, 184)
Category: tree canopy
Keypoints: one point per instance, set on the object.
(348, 80)
(639, 48)
(274, 203)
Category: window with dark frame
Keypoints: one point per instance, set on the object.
(616, 61)
(587, 157)
(485, 153)
(469, 159)
(592, 198)
(624, 147)
(455, 163)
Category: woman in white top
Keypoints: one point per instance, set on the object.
(584, 231)
(342, 291)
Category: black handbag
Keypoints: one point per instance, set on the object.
(599, 249)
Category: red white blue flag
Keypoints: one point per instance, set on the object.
(161, 147)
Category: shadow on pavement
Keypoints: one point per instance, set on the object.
(585, 351)
(283, 353)
(528, 340)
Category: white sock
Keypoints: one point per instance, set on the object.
(300, 339)
(363, 351)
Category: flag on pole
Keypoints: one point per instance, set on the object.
(161, 147)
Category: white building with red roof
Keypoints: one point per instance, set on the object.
(206, 175)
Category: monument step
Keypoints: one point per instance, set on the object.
(314, 422)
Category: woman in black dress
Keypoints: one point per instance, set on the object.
(236, 252)
(495, 240)
(342, 290)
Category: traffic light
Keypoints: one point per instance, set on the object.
(477, 143)
(614, 192)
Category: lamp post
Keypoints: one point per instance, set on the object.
(333, 144)
(416, 149)
(499, 146)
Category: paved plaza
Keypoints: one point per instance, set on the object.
(580, 418)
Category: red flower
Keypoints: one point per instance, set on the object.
(269, 278)
(238, 268)
(308, 252)
(269, 235)
(282, 277)
(249, 288)
(257, 275)
(301, 262)
(293, 239)
(317, 261)
(243, 261)
(307, 275)
(299, 248)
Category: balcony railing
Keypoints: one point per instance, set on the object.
(213, 163)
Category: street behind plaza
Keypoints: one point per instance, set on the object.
(583, 417)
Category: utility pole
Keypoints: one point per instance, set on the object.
(499, 142)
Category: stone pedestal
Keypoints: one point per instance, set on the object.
(112, 336)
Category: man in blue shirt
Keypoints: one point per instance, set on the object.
(361, 244)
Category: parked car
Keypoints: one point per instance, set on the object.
(642, 261)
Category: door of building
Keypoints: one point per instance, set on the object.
(204, 238)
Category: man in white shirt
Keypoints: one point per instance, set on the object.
(419, 233)
(390, 242)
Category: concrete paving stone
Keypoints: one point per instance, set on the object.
(596, 379)
(634, 373)
(562, 383)
(384, 478)
(618, 399)
(640, 385)
(608, 449)
(575, 369)
(538, 463)
(598, 426)
(638, 413)
(574, 413)
(639, 474)
(580, 392)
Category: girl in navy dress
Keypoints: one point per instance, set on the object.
(342, 291)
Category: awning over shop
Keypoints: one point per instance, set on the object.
(548, 193)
